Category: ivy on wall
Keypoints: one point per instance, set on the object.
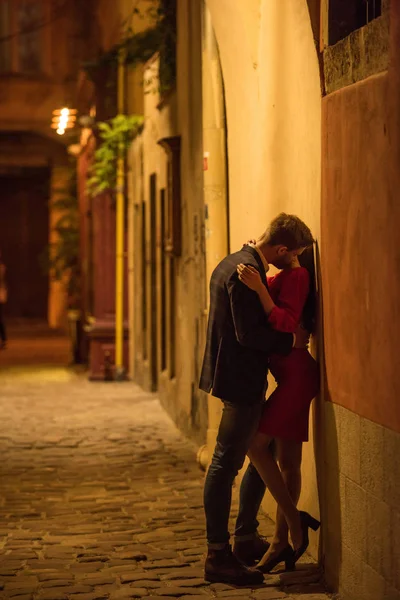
(139, 47)
(115, 135)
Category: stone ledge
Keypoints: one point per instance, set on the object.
(363, 53)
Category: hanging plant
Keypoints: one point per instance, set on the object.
(141, 46)
(115, 136)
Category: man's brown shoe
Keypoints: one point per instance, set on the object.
(251, 551)
(223, 567)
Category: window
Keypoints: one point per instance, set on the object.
(167, 70)
(346, 16)
(22, 24)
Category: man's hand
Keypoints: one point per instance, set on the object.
(302, 338)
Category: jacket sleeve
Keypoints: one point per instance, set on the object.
(286, 315)
(251, 325)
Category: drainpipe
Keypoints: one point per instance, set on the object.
(215, 187)
(120, 213)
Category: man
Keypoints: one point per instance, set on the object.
(235, 368)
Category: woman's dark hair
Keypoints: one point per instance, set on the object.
(309, 316)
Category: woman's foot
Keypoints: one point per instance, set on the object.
(250, 551)
(296, 531)
(299, 532)
(277, 553)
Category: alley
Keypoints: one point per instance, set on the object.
(101, 496)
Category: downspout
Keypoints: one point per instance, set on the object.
(120, 213)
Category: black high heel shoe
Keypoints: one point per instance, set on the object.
(307, 522)
(287, 555)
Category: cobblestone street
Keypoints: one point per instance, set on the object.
(101, 497)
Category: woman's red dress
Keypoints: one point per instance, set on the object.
(287, 410)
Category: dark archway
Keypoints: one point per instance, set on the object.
(26, 161)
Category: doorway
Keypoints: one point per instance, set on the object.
(24, 235)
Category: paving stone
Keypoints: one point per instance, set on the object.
(52, 575)
(190, 582)
(57, 583)
(306, 596)
(53, 594)
(135, 592)
(122, 568)
(184, 573)
(234, 593)
(19, 590)
(80, 589)
(148, 583)
(198, 597)
(136, 576)
(220, 587)
(194, 551)
(137, 556)
(87, 566)
(126, 593)
(98, 580)
(161, 564)
(166, 555)
(178, 591)
(111, 504)
(269, 594)
(90, 596)
(163, 598)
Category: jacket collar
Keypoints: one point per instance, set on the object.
(260, 262)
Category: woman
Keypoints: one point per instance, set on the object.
(289, 302)
(3, 300)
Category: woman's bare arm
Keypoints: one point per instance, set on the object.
(251, 277)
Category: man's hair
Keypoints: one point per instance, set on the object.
(288, 230)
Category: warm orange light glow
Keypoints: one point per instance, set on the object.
(63, 119)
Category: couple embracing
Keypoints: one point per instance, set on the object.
(259, 323)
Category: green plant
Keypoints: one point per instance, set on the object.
(115, 136)
(61, 257)
(139, 47)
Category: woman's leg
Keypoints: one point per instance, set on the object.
(289, 454)
(268, 469)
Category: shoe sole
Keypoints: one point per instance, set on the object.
(239, 582)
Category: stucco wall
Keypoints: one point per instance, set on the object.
(361, 269)
(274, 124)
(178, 114)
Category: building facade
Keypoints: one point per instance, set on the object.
(301, 116)
(41, 45)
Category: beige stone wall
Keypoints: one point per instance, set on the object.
(360, 504)
(179, 114)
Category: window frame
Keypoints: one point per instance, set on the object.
(45, 42)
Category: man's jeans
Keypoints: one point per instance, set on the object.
(238, 425)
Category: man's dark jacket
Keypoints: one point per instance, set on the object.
(239, 337)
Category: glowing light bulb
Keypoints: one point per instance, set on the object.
(65, 112)
(60, 131)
